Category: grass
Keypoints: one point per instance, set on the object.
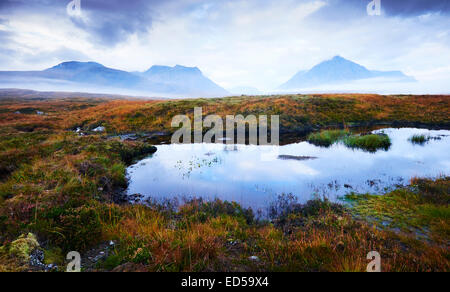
(370, 143)
(298, 113)
(61, 187)
(221, 236)
(420, 139)
(328, 137)
(420, 209)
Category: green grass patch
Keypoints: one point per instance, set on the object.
(421, 208)
(328, 137)
(419, 139)
(370, 143)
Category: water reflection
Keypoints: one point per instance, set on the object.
(238, 173)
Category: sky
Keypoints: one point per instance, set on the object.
(254, 43)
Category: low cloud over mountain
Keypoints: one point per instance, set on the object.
(339, 70)
(158, 80)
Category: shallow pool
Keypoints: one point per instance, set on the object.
(256, 175)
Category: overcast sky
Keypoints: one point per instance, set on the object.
(257, 43)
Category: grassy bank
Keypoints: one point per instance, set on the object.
(298, 113)
(422, 209)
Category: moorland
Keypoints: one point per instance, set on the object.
(62, 191)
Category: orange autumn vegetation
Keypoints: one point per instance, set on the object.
(297, 112)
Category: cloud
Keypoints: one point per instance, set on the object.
(256, 43)
(113, 21)
(108, 22)
(415, 7)
(339, 9)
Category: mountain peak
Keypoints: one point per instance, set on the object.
(338, 58)
(169, 81)
(335, 70)
(70, 65)
(157, 69)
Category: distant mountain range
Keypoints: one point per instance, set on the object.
(338, 70)
(178, 80)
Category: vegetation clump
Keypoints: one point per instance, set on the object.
(370, 143)
(328, 137)
(422, 208)
(422, 139)
(22, 247)
(419, 139)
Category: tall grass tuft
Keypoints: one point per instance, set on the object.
(328, 137)
(419, 139)
(370, 143)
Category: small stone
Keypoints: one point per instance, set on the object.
(254, 258)
(51, 268)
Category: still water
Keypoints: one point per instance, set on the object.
(254, 176)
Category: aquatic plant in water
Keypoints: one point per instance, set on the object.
(419, 139)
(328, 137)
(369, 143)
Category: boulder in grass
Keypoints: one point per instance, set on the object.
(22, 247)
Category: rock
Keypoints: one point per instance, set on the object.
(51, 268)
(23, 247)
(254, 259)
(101, 256)
(37, 259)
